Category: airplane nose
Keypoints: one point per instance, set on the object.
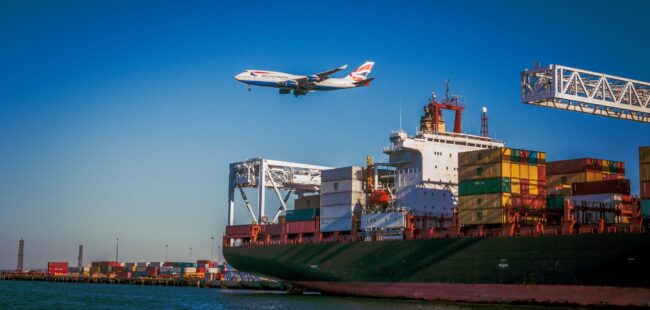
(238, 77)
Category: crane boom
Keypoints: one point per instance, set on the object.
(585, 91)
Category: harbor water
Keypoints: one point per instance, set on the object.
(48, 295)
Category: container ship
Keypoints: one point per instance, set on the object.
(449, 216)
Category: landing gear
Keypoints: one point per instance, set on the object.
(250, 87)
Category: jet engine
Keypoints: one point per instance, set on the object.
(312, 78)
(291, 84)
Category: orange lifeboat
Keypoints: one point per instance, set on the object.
(379, 197)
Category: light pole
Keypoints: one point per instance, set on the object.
(166, 247)
(117, 248)
(190, 254)
(212, 245)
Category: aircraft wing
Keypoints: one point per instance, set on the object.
(326, 75)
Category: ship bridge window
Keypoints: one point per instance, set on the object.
(336, 186)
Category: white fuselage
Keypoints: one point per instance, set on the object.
(287, 81)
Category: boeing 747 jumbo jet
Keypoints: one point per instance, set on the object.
(303, 84)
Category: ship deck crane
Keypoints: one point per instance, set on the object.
(578, 90)
(264, 174)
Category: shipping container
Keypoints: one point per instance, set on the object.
(482, 216)
(342, 198)
(602, 187)
(304, 227)
(485, 186)
(572, 166)
(241, 230)
(644, 172)
(555, 203)
(644, 154)
(273, 229)
(388, 220)
(645, 189)
(482, 157)
(302, 215)
(344, 173)
(335, 224)
(557, 180)
(486, 171)
(307, 202)
(337, 186)
(645, 207)
(609, 201)
(484, 201)
(340, 211)
(57, 268)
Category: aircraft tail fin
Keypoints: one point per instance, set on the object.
(361, 73)
(365, 82)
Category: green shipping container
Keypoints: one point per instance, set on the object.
(302, 215)
(554, 202)
(645, 207)
(485, 186)
(516, 157)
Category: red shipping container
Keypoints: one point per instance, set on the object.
(200, 269)
(204, 261)
(524, 187)
(301, 227)
(621, 186)
(572, 165)
(273, 229)
(240, 230)
(124, 275)
(541, 173)
(57, 268)
(524, 155)
(645, 190)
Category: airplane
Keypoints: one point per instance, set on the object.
(303, 84)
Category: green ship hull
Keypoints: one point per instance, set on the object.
(617, 263)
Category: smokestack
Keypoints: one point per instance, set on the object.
(21, 248)
(484, 123)
(80, 258)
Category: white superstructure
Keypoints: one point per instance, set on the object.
(426, 176)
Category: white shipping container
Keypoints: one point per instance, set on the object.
(598, 200)
(342, 198)
(213, 270)
(335, 224)
(189, 269)
(341, 186)
(344, 210)
(351, 172)
(383, 220)
(155, 264)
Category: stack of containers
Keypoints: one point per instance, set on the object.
(563, 173)
(57, 268)
(302, 221)
(342, 198)
(610, 195)
(644, 176)
(490, 181)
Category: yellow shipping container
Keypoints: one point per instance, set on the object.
(532, 172)
(484, 201)
(541, 155)
(605, 165)
(482, 157)
(514, 170)
(515, 186)
(533, 187)
(472, 172)
(644, 174)
(523, 171)
(482, 216)
(594, 176)
(565, 179)
(644, 154)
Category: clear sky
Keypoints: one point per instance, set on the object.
(119, 118)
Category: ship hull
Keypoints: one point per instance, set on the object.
(608, 269)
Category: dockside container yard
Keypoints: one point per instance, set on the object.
(451, 216)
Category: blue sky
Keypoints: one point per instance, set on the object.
(119, 119)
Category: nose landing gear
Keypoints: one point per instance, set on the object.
(250, 87)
